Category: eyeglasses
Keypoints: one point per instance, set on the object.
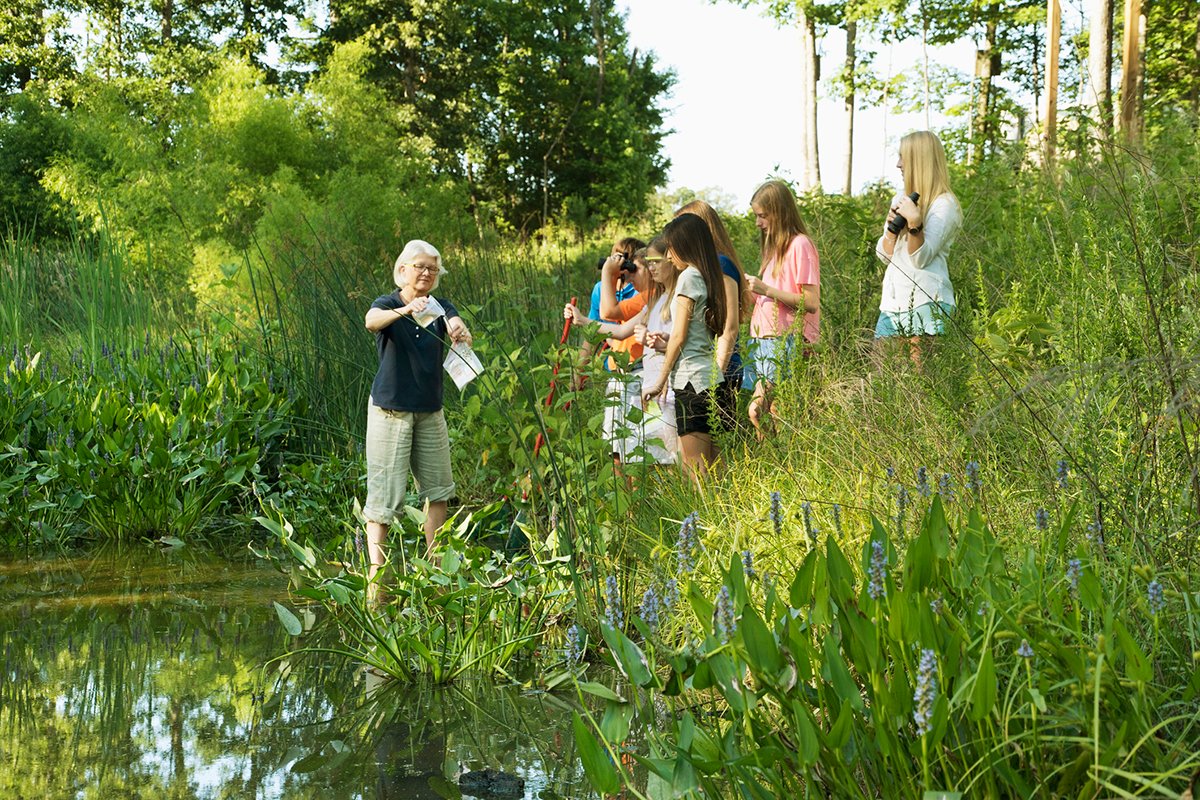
(422, 270)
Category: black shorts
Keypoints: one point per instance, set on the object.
(694, 411)
(727, 400)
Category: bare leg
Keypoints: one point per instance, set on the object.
(696, 453)
(760, 408)
(376, 537)
(435, 518)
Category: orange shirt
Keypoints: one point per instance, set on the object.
(627, 309)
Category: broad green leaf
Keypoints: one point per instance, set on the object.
(630, 658)
(836, 672)
(761, 649)
(983, 694)
(597, 764)
(290, 622)
(600, 690)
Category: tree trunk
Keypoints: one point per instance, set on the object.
(1099, 95)
(167, 11)
(598, 36)
(1131, 63)
(851, 65)
(810, 169)
(985, 63)
(1053, 32)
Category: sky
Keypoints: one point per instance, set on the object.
(735, 106)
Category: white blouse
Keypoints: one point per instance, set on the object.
(914, 279)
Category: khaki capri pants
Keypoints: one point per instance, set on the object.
(399, 442)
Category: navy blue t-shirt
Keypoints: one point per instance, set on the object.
(410, 359)
(730, 269)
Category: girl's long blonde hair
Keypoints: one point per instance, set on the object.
(725, 248)
(925, 170)
(778, 204)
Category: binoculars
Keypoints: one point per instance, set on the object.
(898, 222)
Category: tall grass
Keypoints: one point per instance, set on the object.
(83, 291)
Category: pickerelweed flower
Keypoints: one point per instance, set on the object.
(809, 526)
(1042, 518)
(1061, 472)
(671, 594)
(1095, 530)
(576, 644)
(974, 484)
(685, 546)
(901, 505)
(946, 486)
(1025, 651)
(837, 519)
(926, 693)
(935, 605)
(723, 622)
(776, 512)
(923, 482)
(1074, 572)
(612, 603)
(748, 564)
(877, 571)
(1155, 598)
(891, 472)
(650, 609)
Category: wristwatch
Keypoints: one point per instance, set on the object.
(916, 230)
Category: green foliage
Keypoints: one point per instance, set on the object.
(156, 440)
(471, 609)
(1041, 656)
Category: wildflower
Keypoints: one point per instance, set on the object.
(946, 486)
(1074, 571)
(1061, 473)
(748, 564)
(1042, 519)
(576, 644)
(723, 621)
(612, 603)
(901, 505)
(358, 540)
(70, 440)
(1095, 529)
(877, 571)
(686, 543)
(923, 482)
(891, 472)
(935, 605)
(1025, 651)
(671, 594)
(926, 693)
(777, 512)
(837, 518)
(650, 608)
(809, 525)
(974, 484)
(1154, 596)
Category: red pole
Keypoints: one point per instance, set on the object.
(537, 444)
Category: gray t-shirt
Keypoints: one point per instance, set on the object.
(697, 364)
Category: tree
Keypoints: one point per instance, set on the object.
(1100, 32)
(529, 104)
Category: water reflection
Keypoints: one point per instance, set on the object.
(138, 673)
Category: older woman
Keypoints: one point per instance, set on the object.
(405, 426)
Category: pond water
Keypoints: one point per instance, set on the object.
(137, 673)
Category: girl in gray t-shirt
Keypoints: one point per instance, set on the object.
(697, 312)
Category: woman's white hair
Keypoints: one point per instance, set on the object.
(417, 247)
